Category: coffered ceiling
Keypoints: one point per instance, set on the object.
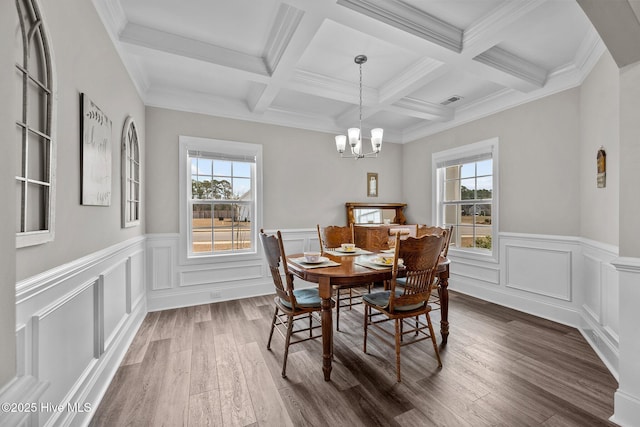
(291, 62)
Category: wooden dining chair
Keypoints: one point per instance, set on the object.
(291, 305)
(331, 237)
(404, 305)
(426, 230)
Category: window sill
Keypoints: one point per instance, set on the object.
(193, 259)
(475, 255)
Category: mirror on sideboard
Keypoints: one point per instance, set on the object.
(375, 213)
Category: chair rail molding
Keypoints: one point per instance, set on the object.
(567, 279)
(74, 324)
(104, 296)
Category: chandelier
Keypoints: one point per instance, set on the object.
(355, 134)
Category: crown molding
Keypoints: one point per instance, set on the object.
(512, 64)
(481, 31)
(112, 15)
(287, 20)
(422, 109)
(412, 78)
(150, 38)
(409, 19)
(340, 90)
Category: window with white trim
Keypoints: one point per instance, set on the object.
(35, 165)
(221, 193)
(466, 195)
(130, 175)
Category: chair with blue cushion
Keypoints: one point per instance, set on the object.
(330, 238)
(405, 304)
(425, 230)
(292, 306)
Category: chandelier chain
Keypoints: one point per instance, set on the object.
(360, 101)
(356, 139)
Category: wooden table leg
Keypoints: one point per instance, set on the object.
(443, 293)
(324, 289)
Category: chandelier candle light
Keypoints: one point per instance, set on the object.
(355, 134)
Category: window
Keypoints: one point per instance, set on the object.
(130, 175)
(35, 122)
(220, 195)
(466, 195)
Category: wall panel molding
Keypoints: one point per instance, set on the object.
(541, 271)
(64, 352)
(173, 283)
(585, 295)
(582, 293)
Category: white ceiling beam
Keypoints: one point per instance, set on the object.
(422, 110)
(299, 30)
(174, 44)
(409, 19)
(509, 63)
(496, 26)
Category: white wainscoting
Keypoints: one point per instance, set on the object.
(566, 279)
(74, 325)
(174, 283)
(562, 278)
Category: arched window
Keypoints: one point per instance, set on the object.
(130, 175)
(35, 166)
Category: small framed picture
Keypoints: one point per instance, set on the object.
(601, 160)
(372, 184)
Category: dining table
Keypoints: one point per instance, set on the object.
(351, 270)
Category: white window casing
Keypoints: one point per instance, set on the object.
(464, 155)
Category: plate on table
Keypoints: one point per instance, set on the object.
(388, 251)
(319, 261)
(347, 251)
(380, 261)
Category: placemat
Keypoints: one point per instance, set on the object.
(365, 263)
(301, 263)
(356, 252)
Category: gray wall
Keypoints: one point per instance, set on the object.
(539, 170)
(305, 180)
(8, 96)
(630, 160)
(600, 126)
(85, 61)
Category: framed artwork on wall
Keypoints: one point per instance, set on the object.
(95, 154)
(601, 160)
(372, 184)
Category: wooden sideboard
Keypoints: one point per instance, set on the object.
(377, 237)
(395, 208)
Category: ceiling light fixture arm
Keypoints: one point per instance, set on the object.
(355, 134)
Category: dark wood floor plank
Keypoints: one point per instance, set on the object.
(165, 325)
(173, 399)
(209, 365)
(267, 402)
(204, 409)
(202, 313)
(135, 352)
(204, 371)
(145, 395)
(183, 329)
(110, 411)
(235, 400)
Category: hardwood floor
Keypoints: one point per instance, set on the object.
(209, 366)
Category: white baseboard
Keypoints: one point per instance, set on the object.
(74, 326)
(558, 313)
(124, 282)
(22, 394)
(627, 409)
(181, 297)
